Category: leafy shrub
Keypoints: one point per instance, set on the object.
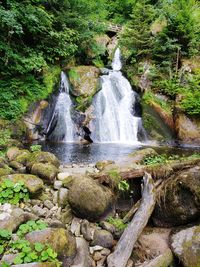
(123, 185)
(5, 136)
(13, 193)
(34, 148)
(158, 159)
(117, 222)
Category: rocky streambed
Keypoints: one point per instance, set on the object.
(72, 210)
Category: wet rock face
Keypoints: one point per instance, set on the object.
(179, 200)
(186, 246)
(89, 199)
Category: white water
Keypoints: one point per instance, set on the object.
(114, 108)
(61, 124)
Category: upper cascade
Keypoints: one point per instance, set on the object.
(117, 64)
(114, 108)
(61, 126)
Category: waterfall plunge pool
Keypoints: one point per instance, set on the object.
(91, 153)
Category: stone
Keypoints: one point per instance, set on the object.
(63, 197)
(186, 246)
(43, 157)
(68, 181)
(11, 219)
(101, 165)
(76, 226)
(23, 157)
(5, 171)
(58, 238)
(105, 252)
(82, 258)
(32, 182)
(108, 226)
(103, 238)
(88, 198)
(62, 176)
(46, 171)
(48, 204)
(181, 193)
(57, 185)
(138, 156)
(39, 211)
(17, 166)
(12, 153)
(86, 82)
(95, 248)
(86, 230)
(66, 216)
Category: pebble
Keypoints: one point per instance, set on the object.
(97, 256)
(63, 175)
(76, 226)
(39, 211)
(48, 204)
(95, 248)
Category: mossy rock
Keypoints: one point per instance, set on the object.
(32, 182)
(179, 199)
(138, 156)
(84, 80)
(186, 246)
(88, 198)
(47, 171)
(59, 239)
(12, 153)
(42, 157)
(24, 156)
(5, 171)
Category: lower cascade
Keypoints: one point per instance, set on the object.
(61, 126)
(114, 108)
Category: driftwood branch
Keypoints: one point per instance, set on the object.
(128, 239)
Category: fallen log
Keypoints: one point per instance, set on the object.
(124, 247)
(158, 171)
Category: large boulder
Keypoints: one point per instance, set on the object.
(187, 128)
(46, 171)
(32, 182)
(88, 198)
(42, 157)
(59, 239)
(179, 199)
(186, 246)
(85, 80)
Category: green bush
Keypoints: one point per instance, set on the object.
(31, 226)
(34, 148)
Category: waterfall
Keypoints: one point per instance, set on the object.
(114, 119)
(61, 127)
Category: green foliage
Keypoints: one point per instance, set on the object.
(117, 222)
(34, 148)
(5, 136)
(83, 102)
(13, 192)
(31, 226)
(149, 98)
(123, 186)
(159, 159)
(37, 252)
(5, 236)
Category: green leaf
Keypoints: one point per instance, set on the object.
(39, 247)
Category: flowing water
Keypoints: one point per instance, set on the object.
(61, 126)
(114, 108)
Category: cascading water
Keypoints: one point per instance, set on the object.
(114, 108)
(61, 127)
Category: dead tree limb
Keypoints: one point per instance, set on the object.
(128, 239)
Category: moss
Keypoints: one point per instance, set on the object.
(45, 171)
(114, 179)
(51, 77)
